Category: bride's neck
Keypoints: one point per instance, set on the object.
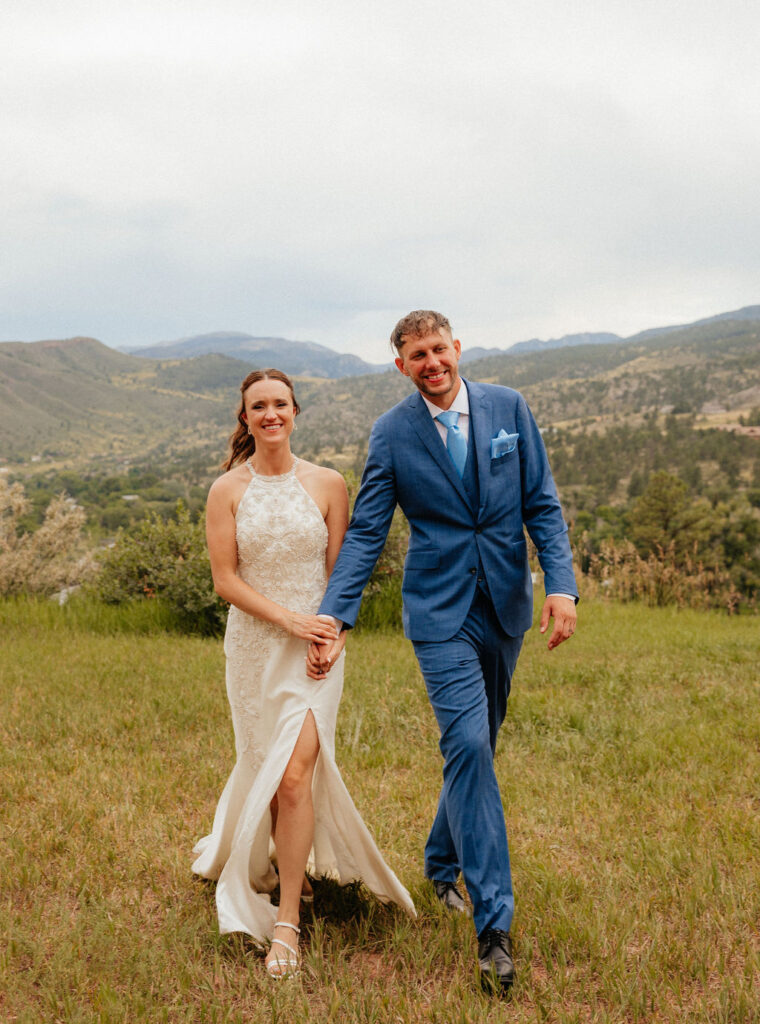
(272, 461)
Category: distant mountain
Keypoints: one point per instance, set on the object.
(566, 341)
(299, 358)
(470, 354)
(308, 359)
(703, 369)
(743, 314)
(605, 338)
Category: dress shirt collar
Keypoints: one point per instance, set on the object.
(461, 403)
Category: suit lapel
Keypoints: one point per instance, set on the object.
(427, 431)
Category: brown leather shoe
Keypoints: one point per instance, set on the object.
(497, 969)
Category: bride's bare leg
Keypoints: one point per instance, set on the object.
(294, 830)
(306, 890)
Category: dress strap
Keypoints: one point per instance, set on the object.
(251, 470)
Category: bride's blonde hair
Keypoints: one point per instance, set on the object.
(241, 443)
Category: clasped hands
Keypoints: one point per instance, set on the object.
(323, 653)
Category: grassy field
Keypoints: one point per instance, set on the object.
(630, 771)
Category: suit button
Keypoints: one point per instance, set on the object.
(473, 571)
(478, 529)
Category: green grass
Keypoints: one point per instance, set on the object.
(87, 614)
(630, 770)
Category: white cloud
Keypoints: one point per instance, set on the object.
(532, 168)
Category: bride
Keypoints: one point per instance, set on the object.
(274, 525)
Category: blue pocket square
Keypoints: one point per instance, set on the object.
(503, 444)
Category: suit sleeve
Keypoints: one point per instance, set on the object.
(541, 510)
(366, 534)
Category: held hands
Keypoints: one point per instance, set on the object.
(562, 609)
(321, 657)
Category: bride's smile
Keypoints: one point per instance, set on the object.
(269, 410)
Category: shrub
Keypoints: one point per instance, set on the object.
(166, 559)
(619, 572)
(48, 559)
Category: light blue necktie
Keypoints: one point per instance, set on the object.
(456, 443)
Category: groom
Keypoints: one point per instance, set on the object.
(467, 465)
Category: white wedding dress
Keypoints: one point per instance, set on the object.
(281, 539)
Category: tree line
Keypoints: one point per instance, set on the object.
(663, 511)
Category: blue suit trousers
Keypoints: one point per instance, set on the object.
(468, 680)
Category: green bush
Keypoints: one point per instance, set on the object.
(165, 559)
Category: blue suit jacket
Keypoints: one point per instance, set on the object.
(407, 463)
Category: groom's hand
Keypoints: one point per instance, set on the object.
(562, 610)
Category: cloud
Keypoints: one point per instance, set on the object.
(533, 168)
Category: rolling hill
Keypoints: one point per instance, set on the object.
(128, 436)
(80, 401)
(708, 369)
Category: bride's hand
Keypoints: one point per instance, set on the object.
(309, 627)
(321, 658)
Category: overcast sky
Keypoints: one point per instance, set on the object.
(314, 170)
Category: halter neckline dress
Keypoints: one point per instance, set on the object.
(281, 540)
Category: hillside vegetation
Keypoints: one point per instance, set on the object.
(127, 437)
(78, 401)
(707, 370)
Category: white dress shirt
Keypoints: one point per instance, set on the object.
(461, 404)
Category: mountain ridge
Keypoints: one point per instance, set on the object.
(78, 399)
(294, 357)
(308, 358)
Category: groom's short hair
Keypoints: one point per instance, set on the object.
(418, 324)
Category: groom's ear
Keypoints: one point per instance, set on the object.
(400, 364)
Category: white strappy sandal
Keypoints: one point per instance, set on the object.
(286, 966)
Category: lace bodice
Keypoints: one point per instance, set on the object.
(281, 539)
